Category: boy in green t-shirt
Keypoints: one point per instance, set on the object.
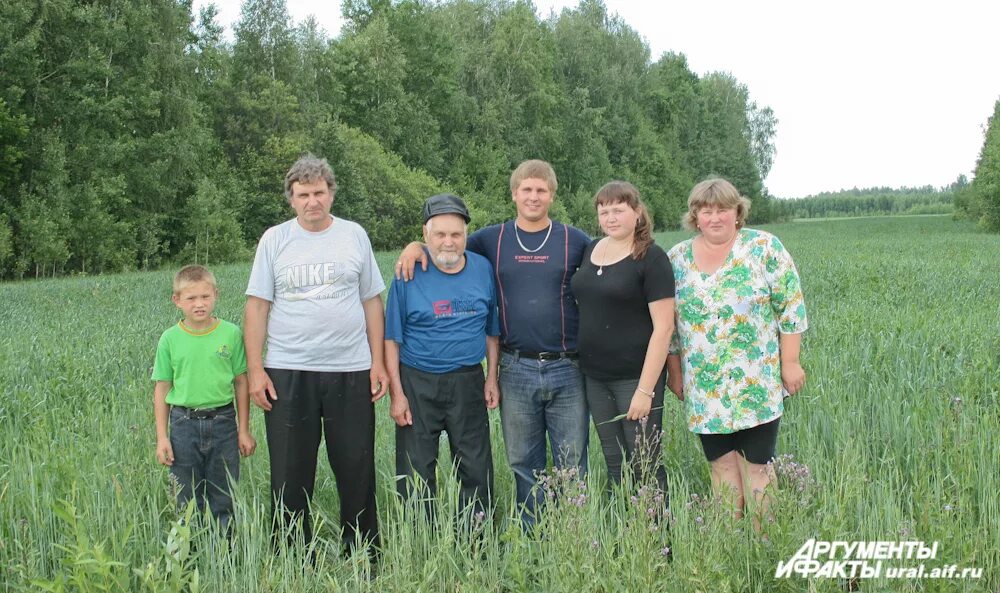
(200, 362)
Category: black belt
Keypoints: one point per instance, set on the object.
(569, 354)
(204, 413)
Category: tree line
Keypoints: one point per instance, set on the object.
(875, 201)
(980, 200)
(134, 134)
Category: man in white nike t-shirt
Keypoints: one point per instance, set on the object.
(314, 296)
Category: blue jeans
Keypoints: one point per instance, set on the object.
(206, 455)
(536, 397)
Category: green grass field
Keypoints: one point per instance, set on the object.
(899, 426)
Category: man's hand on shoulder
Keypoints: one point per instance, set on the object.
(408, 258)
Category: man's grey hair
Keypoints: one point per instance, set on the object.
(429, 220)
(309, 169)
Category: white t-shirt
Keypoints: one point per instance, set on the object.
(316, 283)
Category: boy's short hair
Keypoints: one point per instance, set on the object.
(191, 274)
(534, 169)
(309, 169)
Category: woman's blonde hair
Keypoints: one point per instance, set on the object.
(715, 192)
(623, 192)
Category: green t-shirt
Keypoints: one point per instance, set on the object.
(200, 365)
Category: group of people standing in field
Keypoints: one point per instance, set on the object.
(570, 328)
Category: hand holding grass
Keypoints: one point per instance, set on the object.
(641, 405)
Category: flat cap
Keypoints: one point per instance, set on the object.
(445, 204)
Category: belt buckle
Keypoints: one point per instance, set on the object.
(549, 356)
(205, 413)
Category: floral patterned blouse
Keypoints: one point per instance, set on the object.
(727, 331)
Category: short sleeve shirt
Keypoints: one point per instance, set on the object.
(316, 283)
(441, 320)
(615, 323)
(201, 365)
(727, 331)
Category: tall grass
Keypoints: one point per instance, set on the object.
(899, 427)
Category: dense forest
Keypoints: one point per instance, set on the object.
(135, 134)
(875, 201)
(980, 201)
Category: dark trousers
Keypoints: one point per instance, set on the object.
(627, 440)
(453, 402)
(338, 406)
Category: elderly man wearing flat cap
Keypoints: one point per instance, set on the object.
(439, 326)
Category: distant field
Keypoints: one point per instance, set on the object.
(831, 218)
(899, 426)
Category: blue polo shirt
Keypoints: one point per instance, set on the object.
(441, 321)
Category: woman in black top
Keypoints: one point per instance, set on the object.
(625, 291)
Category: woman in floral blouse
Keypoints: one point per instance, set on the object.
(735, 354)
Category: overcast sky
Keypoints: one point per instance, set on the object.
(866, 92)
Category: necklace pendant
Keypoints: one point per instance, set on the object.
(600, 270)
